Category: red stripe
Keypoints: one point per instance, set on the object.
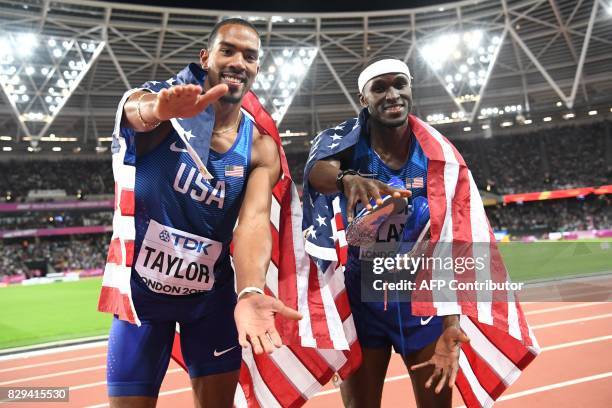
(129, 252)
(114, 252)
(313, 362)
(513, 349)
(246, 382)
(282, 389)
(115, 302)
(127, 203)
(275, 245)
(353, 362)
(343, 305)
(487, 377)
(462, 240)
(177, 355)
(316, 309)
(465, 389)
(287, 274)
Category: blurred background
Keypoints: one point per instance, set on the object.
(522, 88)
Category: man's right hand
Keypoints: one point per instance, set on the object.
(357, 188)
(185, 101)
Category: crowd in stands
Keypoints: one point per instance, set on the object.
(570, 214)
(571, 156)
(61, 255)
(56, 219)
(86, 176)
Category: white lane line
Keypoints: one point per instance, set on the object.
(571, 321)
(96, 384)
(575, 343)
(555, 386)
(58, 374)
(549, 348)
(560, 308)
(387, 379)
(56, 350)
(66, 360)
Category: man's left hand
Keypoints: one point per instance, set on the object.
(254, 315)
(445, 358)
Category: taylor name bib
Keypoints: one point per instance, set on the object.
(175, 262)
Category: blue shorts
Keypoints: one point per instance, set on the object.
(396, 326)
(138, 357)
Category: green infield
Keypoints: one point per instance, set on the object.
(550, 260)
(59, 311)
(44, 313)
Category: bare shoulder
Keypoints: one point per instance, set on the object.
(265, 151)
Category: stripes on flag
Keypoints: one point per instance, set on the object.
(234, 171)
(416, 182)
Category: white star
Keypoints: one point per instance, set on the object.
(188, 135)
(310, 232)
(333, 145)
(313, 234)
(340, 126)
(154, 82)
(320, 220)
(336, 136)
(171, 81)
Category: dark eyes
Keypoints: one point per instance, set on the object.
(227, 52)
(397, 85)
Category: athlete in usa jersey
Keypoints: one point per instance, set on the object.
(191, 201)
(388, 149)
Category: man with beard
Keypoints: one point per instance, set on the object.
(200, 164)
(383, 149)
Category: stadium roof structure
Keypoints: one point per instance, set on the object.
(471, 60)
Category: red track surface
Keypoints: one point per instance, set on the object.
(574, 369)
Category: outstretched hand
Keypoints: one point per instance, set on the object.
(254, 315)
(357, 188)
(185, 101)
(445, 358)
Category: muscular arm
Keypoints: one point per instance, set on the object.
(252, 237)
(254, 313)
(181, 101)
(356, 188)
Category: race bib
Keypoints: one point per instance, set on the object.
(389, 233)
(175, 262)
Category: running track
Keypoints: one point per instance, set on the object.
(574, 369)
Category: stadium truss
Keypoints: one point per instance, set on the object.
(471, 60)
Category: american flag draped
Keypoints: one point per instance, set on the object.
(502, 344)
(318, 346)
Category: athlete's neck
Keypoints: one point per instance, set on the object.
(391, 143)
(226, 114)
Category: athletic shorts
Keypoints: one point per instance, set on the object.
(395, 326)
(138, 357)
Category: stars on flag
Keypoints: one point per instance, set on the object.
(320, 220)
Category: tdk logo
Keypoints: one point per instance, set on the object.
(190, 243)
(164, 236)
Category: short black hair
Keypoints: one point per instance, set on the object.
(233, 20)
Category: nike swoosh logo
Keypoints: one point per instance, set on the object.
(220, 353)
(425, 321)
(177, 149)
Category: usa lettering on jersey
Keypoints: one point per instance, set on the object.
(199, 189)
(176, 262)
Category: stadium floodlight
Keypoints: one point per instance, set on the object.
(38, 73)
(286, 68)
(462, 62)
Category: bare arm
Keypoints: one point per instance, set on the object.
(254, 313)
(252, 237)
(356, 188)
(144, 110)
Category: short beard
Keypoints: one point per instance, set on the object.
(231, 99)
